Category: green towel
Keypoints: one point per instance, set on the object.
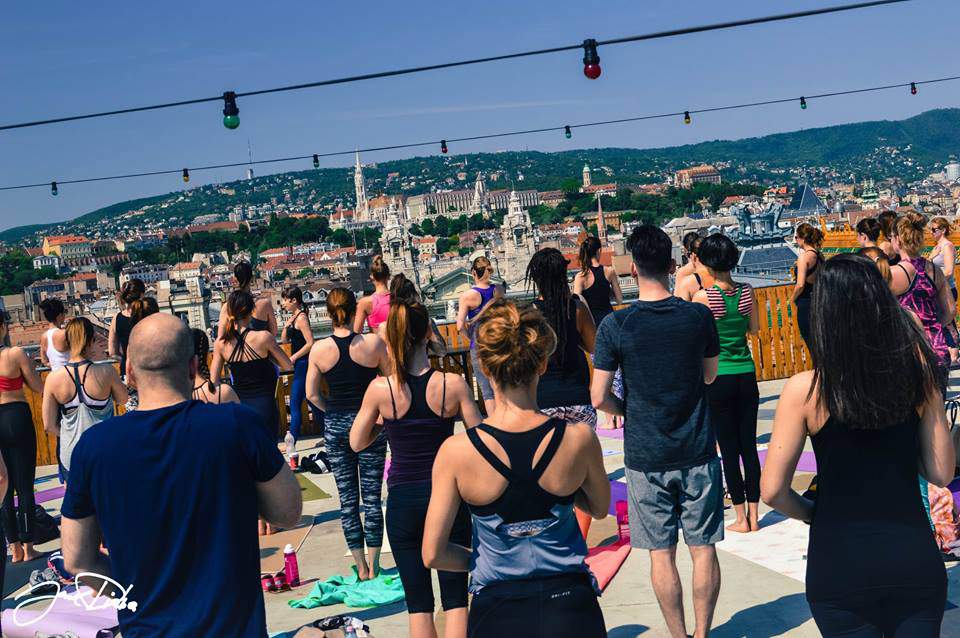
(352, 592)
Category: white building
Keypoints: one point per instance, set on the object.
(147, 273)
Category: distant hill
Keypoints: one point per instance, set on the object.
(906, 149)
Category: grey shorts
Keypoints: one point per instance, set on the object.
(486, 390)
(661, 503)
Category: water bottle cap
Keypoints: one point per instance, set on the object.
(288, 549)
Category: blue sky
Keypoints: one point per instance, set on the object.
(68, 57)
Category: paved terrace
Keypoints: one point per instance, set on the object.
(762, 591)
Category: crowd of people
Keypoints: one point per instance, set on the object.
(508, 500)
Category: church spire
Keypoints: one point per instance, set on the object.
(362, 207)
(601, 224)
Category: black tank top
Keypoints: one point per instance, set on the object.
(297, 340)
(567, 379)
(416, 437)
(868, 505)
(523, 499)
(807, 284)
(597, 295)
(347, 380)
(251, 374)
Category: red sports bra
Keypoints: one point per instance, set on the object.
(10, 385)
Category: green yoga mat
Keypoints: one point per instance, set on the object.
(349, 590)
(309, 489)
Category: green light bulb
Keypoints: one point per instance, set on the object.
(231, 121)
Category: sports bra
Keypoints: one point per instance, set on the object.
(597, 295)
(486, 295)
(379, 311)
(80, 395)
(297, 340)
(347, 380)
(198, 392)
(252, 375)
(10, 384)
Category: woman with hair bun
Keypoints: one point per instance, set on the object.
(596, 283)
(923, 289)
(471, 306)
(868, 232)
(734, 397)
(349, 362)
(416, 406)
(132, 290)
(520, 473)
(263, 316)
(373, 309)
(54, 350)
(809, 238)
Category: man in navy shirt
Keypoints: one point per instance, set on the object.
(667, 349)
(175, 489)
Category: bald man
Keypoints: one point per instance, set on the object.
(175, 488)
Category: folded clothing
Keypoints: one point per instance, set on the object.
(351, 591)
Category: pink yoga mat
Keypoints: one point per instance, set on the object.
(610, 434)
(63, 615)
(605, 561)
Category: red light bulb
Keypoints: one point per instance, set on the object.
(591, 59)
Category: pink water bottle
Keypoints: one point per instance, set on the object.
(290, 567)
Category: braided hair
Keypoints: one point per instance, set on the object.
(548, 272)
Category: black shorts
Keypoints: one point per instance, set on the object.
(406, 512)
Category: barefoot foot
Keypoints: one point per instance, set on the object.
(739, 526)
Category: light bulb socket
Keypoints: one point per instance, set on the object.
(53, 189)
(231, 113)
(316, 161)
(443, 146)
(686, 117)
(591, 59)
(567, 132)
(186, 175)
(913, 88)
(803, 102)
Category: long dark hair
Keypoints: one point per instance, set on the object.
(873, 366)
(589, 248)
(548, 272)
(243, 272)
(201, 348)
(142, 308)
(240, 305)
(131, 290)
(408, 324)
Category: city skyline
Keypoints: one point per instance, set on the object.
(131, 62)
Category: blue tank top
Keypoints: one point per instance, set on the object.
(486, 295)
(526, 533)
(416, 437)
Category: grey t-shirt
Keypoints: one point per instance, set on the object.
(660, 346)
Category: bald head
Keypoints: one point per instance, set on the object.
(159, 352)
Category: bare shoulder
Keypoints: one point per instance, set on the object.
(264, 302)
(797, 389)
(372, 342)
(701, 297)
(364, 301)
(469, 295)
(581, 434)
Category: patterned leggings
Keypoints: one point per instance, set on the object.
(356, 475)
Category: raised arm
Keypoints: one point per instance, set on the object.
(438, 551)
(786, 445)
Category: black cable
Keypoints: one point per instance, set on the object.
(448, 65)
(472, 138)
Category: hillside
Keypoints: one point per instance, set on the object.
(906, 149)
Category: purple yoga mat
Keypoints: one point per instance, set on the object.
(807, 462)
(62, 615)
(618, 492)
(954, 488)
(51, 494)
(610, 434)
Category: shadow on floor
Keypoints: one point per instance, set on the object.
(771, 518)
(616, 475)
(768, 619)
(627, 631)
(373, 613)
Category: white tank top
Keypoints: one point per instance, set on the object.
(56, 358)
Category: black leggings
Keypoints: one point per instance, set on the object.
(734, 401)
(18, 445)
(557, 607)
(893, 613)
(406, 512)
(803, 318)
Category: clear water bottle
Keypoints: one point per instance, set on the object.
(349, 631)
(291, 446)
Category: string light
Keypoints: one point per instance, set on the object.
(232, 121)
(686, 117)
(913, 88)
(472, 138)
(231, 114)
(591, 59)
(803, 102)
(186, 175)
(566, 132)
(443, 146)
(316, 161)
(53, 189)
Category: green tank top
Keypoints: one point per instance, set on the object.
(732, 313)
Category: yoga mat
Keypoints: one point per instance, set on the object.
(954, 488)
(309, 489)
(63, 615)
(43, 496)
(618, 492)
(807, 463)
(610, 434)
(605, 562)
(272, 561)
